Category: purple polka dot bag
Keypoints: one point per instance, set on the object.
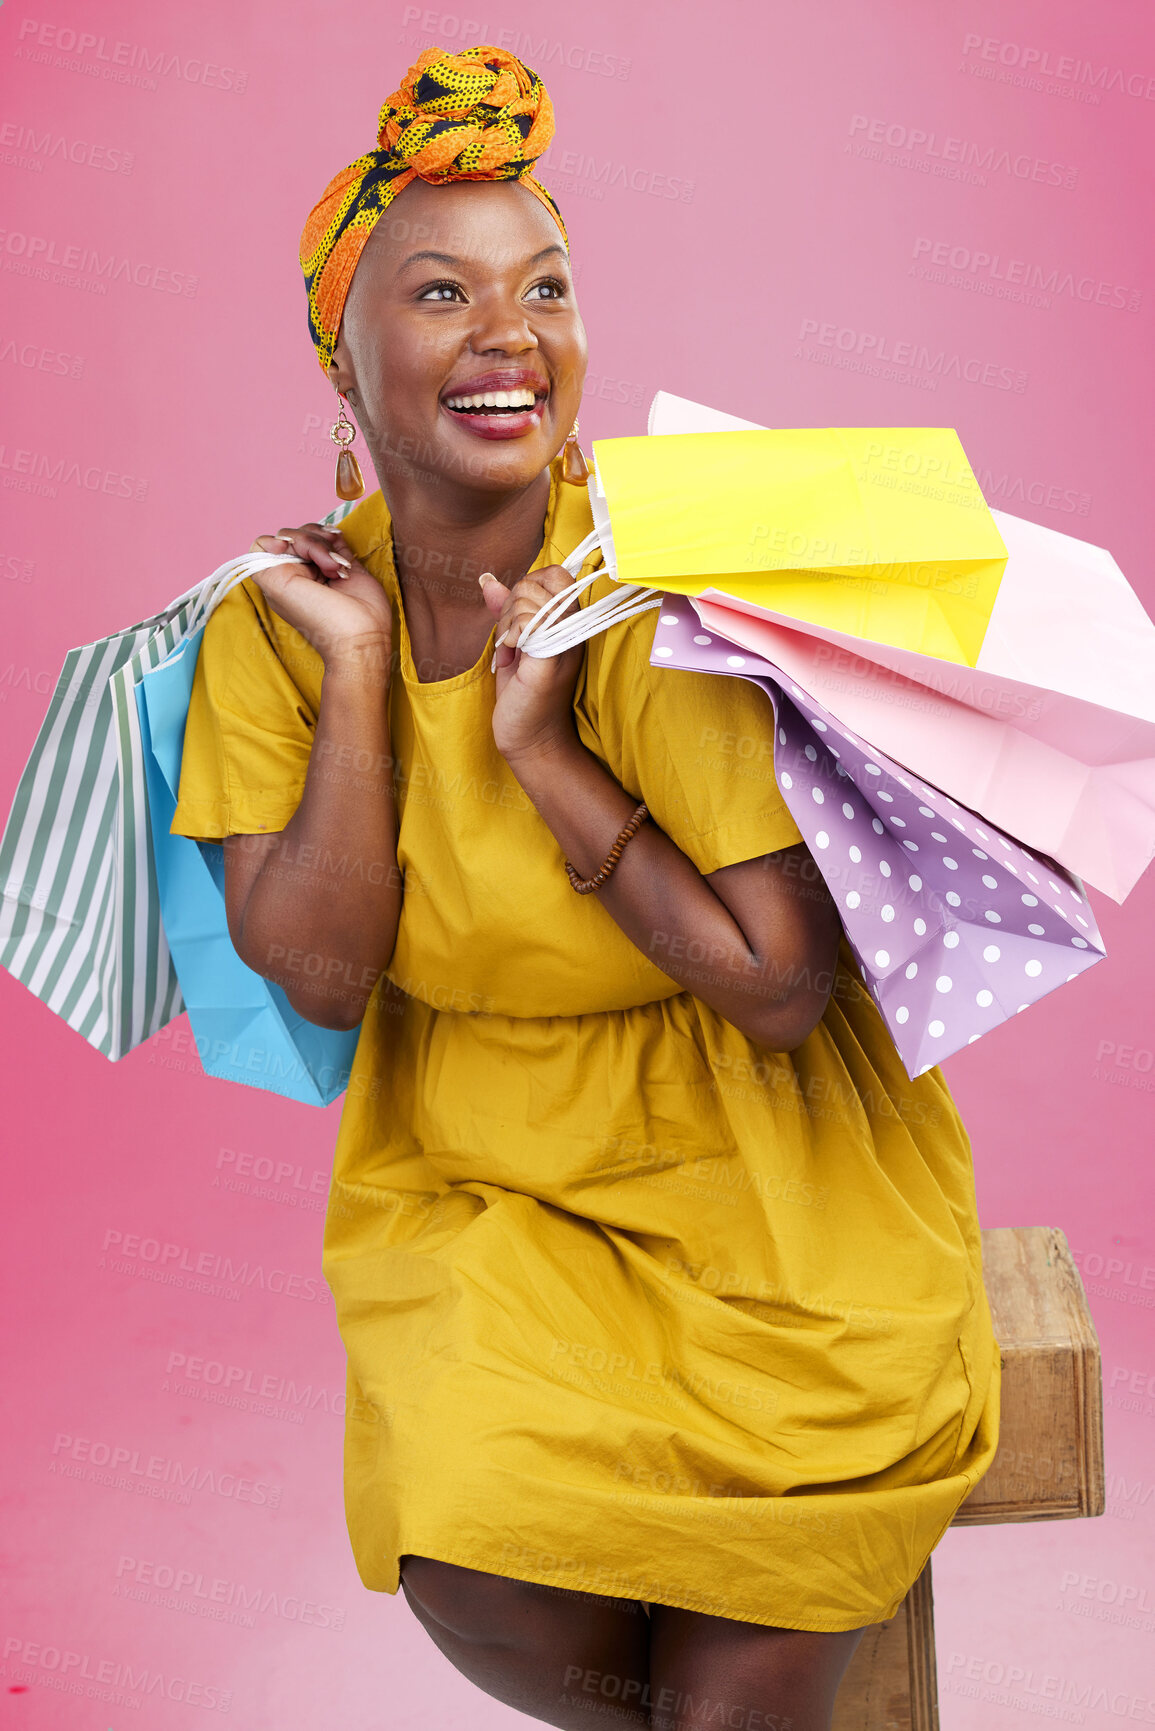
(956, 927)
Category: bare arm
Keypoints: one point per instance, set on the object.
(315, 906)
(757, 940)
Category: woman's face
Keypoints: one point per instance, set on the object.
(463, 293)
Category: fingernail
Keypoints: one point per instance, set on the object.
(484, 575)
(493, 663)
(337, 559)
(501, 640)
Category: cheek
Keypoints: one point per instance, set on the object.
(401, 373)
(568, 359)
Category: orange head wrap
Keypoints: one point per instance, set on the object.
(477, 115)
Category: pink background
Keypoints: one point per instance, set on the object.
(750, 192)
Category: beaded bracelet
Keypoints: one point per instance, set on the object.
(583, 886)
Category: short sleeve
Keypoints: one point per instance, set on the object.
(251, 720)
(697, 747)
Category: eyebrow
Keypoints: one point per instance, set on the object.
(449, 259)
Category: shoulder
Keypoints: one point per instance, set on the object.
(620, 649)
(624, 692)
(697, 747)
(249, 649)
(365, 525)
(570, 519)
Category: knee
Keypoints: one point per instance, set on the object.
(475, 1606)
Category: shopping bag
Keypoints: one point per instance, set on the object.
(1051, 735)
(80, 918)
(812, 522)
(954, 925)
(244, 1027)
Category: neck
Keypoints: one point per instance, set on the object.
(445, 537)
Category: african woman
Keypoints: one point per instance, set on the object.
(669, 1358)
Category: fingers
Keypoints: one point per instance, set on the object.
(512, 621)
(553, 577)
(313, 543)
(324, 549)
(525, 601)
(493, 592)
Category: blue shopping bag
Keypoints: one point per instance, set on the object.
(244, 1026)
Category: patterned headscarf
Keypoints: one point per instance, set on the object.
(478, 115)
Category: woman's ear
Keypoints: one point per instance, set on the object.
(341, 377)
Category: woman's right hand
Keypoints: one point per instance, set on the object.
(329, 597)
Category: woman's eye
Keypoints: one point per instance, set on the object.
(550, 289)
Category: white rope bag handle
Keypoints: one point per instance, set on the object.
(547, 634)
(208, 594)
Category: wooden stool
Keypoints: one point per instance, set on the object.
(1049, 1464)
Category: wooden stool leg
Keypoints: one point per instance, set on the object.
(891, 1684)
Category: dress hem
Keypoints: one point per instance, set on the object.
(543, 1578)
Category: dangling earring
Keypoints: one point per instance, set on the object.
(348, 480)
(573, 468)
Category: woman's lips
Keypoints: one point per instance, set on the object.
(498, 423)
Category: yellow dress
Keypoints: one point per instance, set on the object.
(631, 1305)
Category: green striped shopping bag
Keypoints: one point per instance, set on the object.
(80, 921)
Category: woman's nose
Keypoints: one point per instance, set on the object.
(506, 330)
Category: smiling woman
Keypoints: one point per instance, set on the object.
(661, 1286)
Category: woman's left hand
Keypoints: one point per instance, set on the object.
(533, 710)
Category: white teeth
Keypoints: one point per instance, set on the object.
(517, 399)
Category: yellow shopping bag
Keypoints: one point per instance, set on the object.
(880, 532)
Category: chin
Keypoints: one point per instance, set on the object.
(498, 465)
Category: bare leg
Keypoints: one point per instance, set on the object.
(708, 1671)
(533, 1647)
